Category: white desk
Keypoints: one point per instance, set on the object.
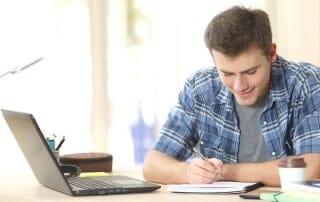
(27, 189)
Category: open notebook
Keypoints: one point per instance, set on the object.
(216, 187)
(47, 170)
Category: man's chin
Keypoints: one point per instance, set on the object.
(246, 102)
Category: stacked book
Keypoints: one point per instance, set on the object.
(304, 191)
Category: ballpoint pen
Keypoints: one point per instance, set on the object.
(60, 143)
(198, 153)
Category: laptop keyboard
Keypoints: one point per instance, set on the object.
(88, 183)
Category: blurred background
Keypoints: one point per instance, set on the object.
(112, 69)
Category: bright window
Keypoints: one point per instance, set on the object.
(152, 47)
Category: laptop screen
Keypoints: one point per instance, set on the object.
(47, 170)
(36, 150)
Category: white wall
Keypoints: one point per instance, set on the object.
(296, 28)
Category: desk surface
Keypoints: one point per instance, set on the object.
(27, 189)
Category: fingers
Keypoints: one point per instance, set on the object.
(219, 165)
(216, 162)
(204, 171)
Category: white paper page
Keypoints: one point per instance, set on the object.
(216, 187)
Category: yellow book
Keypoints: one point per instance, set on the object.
(93, 174)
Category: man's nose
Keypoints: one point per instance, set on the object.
(240, 83)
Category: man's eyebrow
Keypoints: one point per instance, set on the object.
(244, 71)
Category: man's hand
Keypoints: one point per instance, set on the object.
(200, 171)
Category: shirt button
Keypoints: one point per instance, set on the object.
(273, 153)
(201, 142)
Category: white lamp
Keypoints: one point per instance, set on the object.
(19, 69)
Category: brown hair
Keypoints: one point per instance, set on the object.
(238, 28)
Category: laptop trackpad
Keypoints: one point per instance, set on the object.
(120, 181)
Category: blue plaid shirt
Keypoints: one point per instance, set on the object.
(205, 114)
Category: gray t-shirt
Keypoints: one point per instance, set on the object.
(252, 147)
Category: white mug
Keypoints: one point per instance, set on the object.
(291, 169)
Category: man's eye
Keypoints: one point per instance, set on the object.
(251, 71)
(227, 74)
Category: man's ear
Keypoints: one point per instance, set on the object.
(273, 52)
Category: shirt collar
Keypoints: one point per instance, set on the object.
(278, 88)
(224, 96)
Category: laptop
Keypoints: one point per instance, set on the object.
(47, 170)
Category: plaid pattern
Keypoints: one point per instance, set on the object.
(205, 114)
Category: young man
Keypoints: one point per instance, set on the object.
(251, 109)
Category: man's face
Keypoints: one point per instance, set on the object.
(246, 75)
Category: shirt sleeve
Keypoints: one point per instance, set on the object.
(176, 136)
(307, 132)
(306, 136)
